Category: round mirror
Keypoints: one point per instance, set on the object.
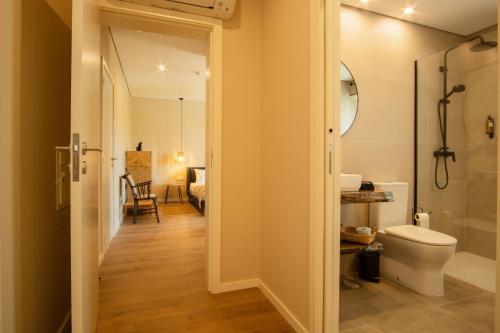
(349, 99)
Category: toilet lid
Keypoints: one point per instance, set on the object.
(420, 235)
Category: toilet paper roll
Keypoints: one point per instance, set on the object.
(422, 220)
(364, 230)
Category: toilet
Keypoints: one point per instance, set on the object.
(413, 256)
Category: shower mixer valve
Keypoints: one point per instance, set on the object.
(445, 153)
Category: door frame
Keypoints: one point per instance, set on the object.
(319, 170)
(332, 153)
(497, 294)
(116, 11)
(102, 251)
(325, 163)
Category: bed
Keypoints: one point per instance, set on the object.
(195, 188)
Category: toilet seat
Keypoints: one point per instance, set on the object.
(421, 235)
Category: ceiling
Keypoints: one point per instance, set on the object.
(63, 9)
(142, 53)
(463, 17)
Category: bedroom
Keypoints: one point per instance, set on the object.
(154, 141)
(165, 77)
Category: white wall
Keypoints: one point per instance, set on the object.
(285, 153)
(157, 124)
(122, 110)
(10, 15)
(241, 142)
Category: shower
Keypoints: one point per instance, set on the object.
(444, 151)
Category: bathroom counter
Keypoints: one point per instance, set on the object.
(349, 247)
(365, 197)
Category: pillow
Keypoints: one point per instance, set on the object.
(200, 176)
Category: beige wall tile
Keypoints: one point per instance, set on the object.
(380, 52)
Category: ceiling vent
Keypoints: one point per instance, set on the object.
(222, 9)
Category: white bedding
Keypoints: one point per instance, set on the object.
(198, 190)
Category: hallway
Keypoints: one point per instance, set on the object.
(152, 280)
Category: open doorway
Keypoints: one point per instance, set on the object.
(447, 275)
(86, 125)
(153, 168)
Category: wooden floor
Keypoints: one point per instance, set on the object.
(152, 280)
(178, 209)
(388, 307)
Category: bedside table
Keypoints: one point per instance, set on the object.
(179, 191)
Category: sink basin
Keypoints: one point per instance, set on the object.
(350, 182)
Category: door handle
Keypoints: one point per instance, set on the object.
(113, 159)
(85, 149)
(330, 151)
(330, 158)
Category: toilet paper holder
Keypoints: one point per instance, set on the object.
(421, 211)
(418, 210)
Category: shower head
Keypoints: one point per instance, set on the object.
(456, 89)
(483, 45)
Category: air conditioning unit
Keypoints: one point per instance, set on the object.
(222, 9)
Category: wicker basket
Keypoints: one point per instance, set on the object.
(350, 235)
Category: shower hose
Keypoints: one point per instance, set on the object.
(442, 150)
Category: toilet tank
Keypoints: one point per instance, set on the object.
(386, 214)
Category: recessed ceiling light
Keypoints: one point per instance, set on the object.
(162, 68)
(408, 10)
(364, 1)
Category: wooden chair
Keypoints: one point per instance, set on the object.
(141, 192)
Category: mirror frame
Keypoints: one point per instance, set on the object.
(357, 104)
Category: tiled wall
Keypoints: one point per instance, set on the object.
(481, 101)
(466, 209)
(448, 205)
(380, 53)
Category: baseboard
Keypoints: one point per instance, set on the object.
(66, 324)
(253, 283)
(236, 285)
(287, 314)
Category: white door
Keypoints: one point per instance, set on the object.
(85, 127)
(107, 161)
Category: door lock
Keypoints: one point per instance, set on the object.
(84, 167)
(75, 157)
(63, 171)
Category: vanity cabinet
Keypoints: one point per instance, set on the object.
(367, 197)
